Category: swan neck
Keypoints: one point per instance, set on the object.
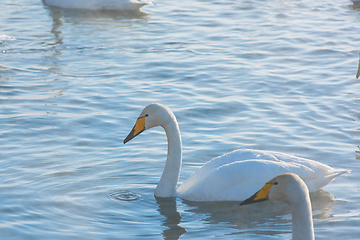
(170, 177)
(302, 222)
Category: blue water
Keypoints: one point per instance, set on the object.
(270, 75)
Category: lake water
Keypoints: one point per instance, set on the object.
(270, 75)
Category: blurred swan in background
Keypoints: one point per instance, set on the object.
(291, 189)
(234, 176)
(119, 5)
(5, 38)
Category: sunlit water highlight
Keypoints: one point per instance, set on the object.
(271, 75)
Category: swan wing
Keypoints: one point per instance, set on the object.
(239, 174)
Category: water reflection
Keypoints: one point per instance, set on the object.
(261, 218)
(168, 208)
(96, 20)
(79, 16)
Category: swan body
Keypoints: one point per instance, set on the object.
(234, 176)
(291, 189)
(120, 5)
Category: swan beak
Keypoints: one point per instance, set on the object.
(138, 128)
(261, 195)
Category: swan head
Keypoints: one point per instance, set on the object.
(288, 188)
(153, 115)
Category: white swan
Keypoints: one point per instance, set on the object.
(121, 5)
(231, 177)
(291, 189)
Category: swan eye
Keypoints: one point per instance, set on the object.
(146, 115)
(276, 183)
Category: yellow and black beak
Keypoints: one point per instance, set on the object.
(138, 128)
(261, 195)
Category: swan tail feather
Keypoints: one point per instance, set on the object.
(318, 183)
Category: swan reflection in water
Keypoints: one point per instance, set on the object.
(263, 220)
(81, 15)
(77, 16)
(168, 208)
(95, 20)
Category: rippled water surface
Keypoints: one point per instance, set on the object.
(270, 75)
